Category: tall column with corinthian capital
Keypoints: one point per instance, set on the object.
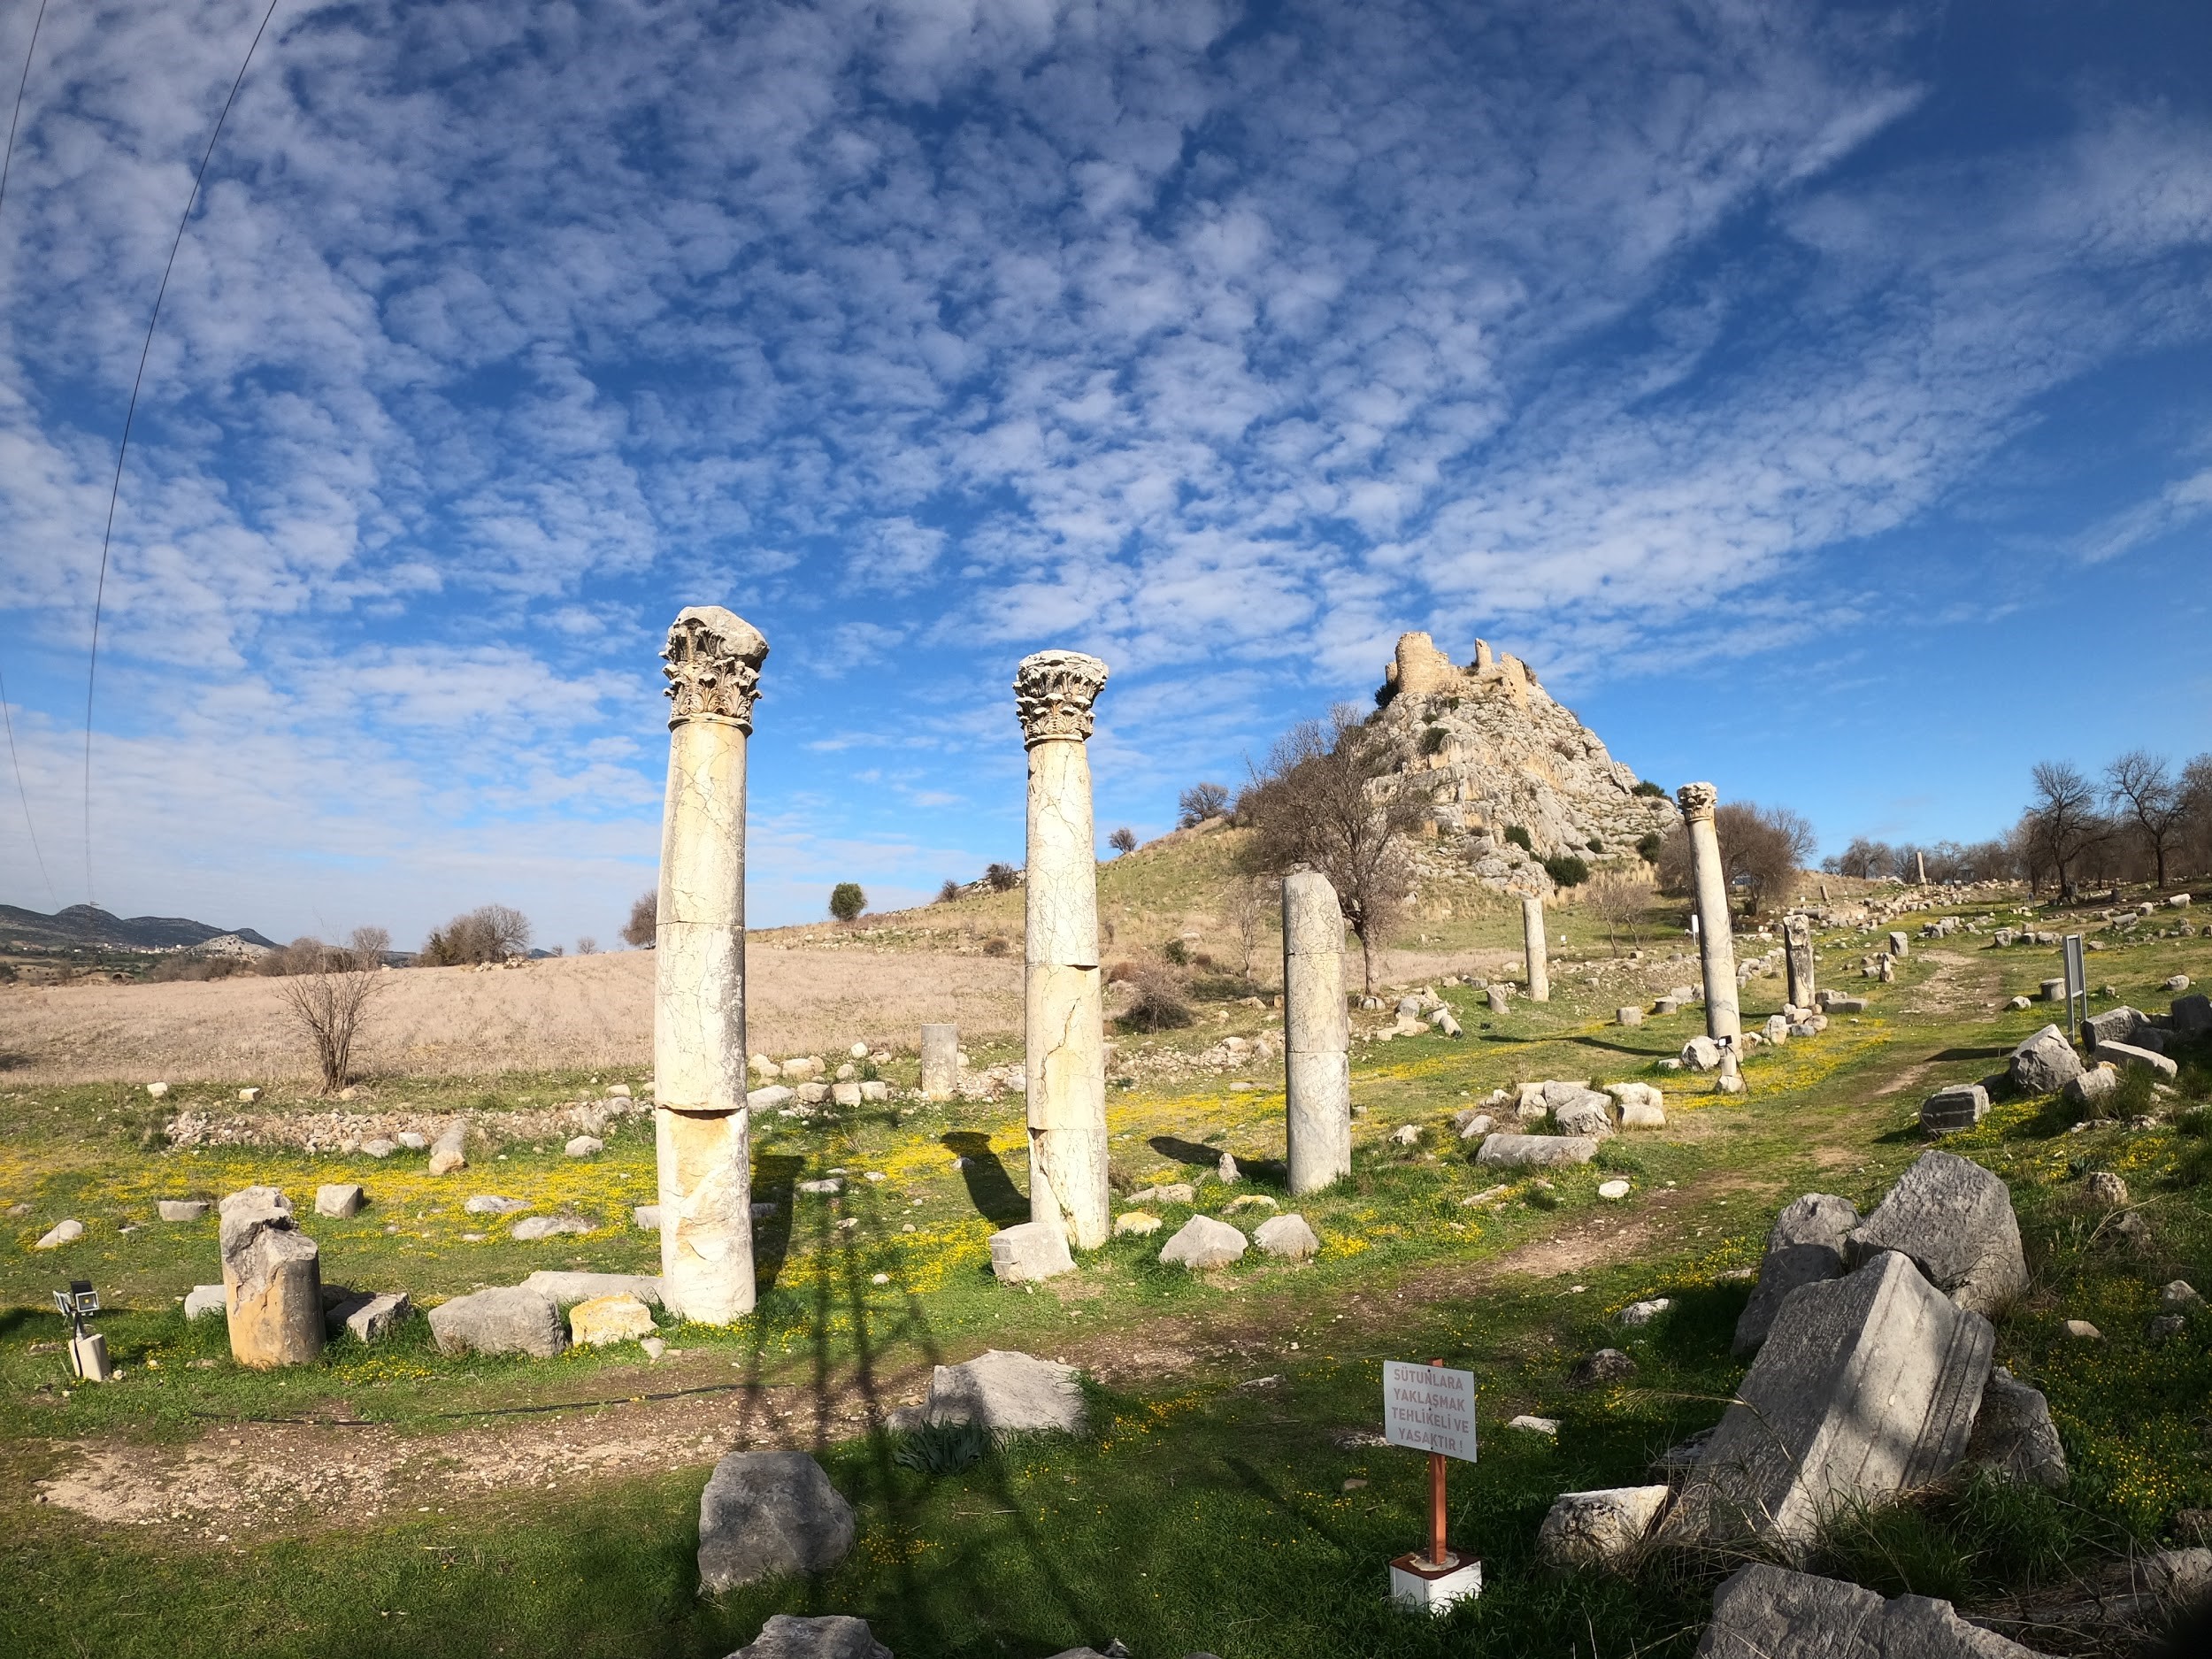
(1064, 1001)
(1716, 945)
(700, 1124)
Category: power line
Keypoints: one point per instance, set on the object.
(7, 165)
(115, 491)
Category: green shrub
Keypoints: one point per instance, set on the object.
(1648, 846)
(1595, 845)
(846, 901)
(943, 1449)
(1518, 836)
(1176, 952)
(1644, 786)
(1566, 869)
(1433, 739)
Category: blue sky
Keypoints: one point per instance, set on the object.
(1820, 398)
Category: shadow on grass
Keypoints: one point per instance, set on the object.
(990, 1188)
(774, 1175)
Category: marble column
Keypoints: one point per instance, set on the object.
(941, 1062)
(699, 1065)
(1063, 1022)
(1316, 1030)
(1716, 945)
(1534, 948)
(1797, 949)
(272, 1281)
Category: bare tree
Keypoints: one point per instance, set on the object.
(490, 933)
(1311, 808)
(2066, 818)
(1761, 848)
(1122, 839)
(1617, 898)
(587, 946)
(329, 1000)
(1199, 802)
(642, 928)
(1247, 903)
(2195, 790)
(2142, 788)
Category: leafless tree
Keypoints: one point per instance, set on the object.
(1761, 849)
(587, 946)
(2066, 819)
(2141, 788)
(329, 999)
(1311, 808)
(2196, 789)
(1156, 1000)
(1199, 802)
(1122, 839)
(641, 929)
(1617, 898)
(490, 933)
(1247, 903)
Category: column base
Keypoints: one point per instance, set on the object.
(1420, 1585)
(89, 1358)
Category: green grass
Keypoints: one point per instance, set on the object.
(1208, 1509)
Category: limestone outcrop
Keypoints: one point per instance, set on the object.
(1488, 749)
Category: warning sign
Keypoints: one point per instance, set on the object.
(1430, 1409)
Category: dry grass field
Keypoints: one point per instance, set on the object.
(575, 1011)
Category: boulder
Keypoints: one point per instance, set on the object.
(1477, 1126)
(1627, 1095)
(532, 1228)
(203, 1299)
(1030, 1251)
(584, 1147)
(67, 1230)
(1203, 1243)
(1598, 1529)
(768, 1099)
(1135, 1224)
(1514, 1152)
(769, 1515)
(846, 1093)
(2193, 1016)
(1287, 1236)
(1768, 1612)
(272, 1281)
(1954, 1219)
(2013, 1435)
(1953, 1107)
(1639, 1314)
(1700, 1054)
(567, 1287)
(2092, 1088)
(1607, 1365)
(605, 1319)
(2045, 1063)
(182, 1209)
(2128, 1057)
(1590, 1114)
(449, 1152)
(410, 1140)
(830, 1636)
(1805, 1246)
(1636, 1114)
(1866, 1387)
(2101, 1189)
(369, 1316)
(378, 1147)
(1007, 1392)
(1175, 1192)
(647, 1216)
(338, 1200)
(507, 1319)
(492, 1204)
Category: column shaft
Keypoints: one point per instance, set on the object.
(1535, 950)
(1715, 944)
(1316, 1030)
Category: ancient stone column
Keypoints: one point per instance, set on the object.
(1063, 1022)
(699, 1065)
(1318, 1035)
(940, 1061)
(1533, 947)
(1716, 945)
(272, 1281)
(1797, 945)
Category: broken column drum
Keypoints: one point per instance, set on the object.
(1317, 1068)
(1533, 944)
(272, 1281)
(1797, 945)
(940, 1061)
(703, 1138)
(1716, 946)
(1063, 1000)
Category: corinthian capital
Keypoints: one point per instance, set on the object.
(1697, 800)
(714, 657)
(1053, 694)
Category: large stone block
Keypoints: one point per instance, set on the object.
(1203, 1243)
(1008, 1393)
(1768, 1612)
(567, 1286)
(1598, 1529)
(1805, 1246)
(1515, 1152)
(272, 1281)
(941, 1062)
(506, 1319)
(606, 1319)
(2129, 1058)
(1030, 1251)
(1866, 1388)
(2193, 1016)
(1956, 1107)
(766, 1515)
(1289, 1236)
(1588, 1114)
(2045, 1063)
(2014, 1436)
(1954, 1219)
(830, 1636)
(2115, 1025)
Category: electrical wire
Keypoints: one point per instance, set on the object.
(115, 491)
(7, 165)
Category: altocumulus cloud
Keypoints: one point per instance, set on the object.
(1226, 342)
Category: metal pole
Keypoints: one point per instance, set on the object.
(1436, 1557)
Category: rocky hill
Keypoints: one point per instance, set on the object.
(85, 924)
(1492, 753)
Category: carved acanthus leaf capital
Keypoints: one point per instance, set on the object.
(1053, 694)
(714, 657)
(1697, 800)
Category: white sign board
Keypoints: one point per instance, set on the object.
(1429, 1408)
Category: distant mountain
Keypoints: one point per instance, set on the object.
(87, 925)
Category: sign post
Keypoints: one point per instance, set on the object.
(1432, 1408)
(2077, 985)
